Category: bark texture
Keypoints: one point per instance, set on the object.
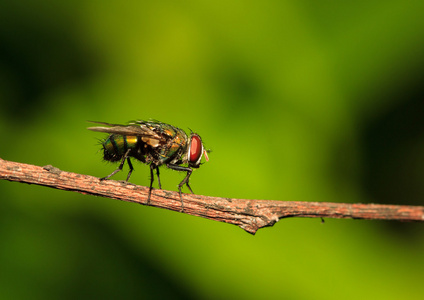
(249, 215)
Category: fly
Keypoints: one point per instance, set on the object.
(153, 143)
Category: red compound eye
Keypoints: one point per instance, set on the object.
(195, 149)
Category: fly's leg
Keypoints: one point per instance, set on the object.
(188, 184)
(120, 167)
(184, 181)
(152, 167)
(131, 168)
(151, 183)
(157, 173)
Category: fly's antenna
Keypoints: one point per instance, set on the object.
(205, 153)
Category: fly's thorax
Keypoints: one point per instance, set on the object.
(175, 150)
(115, 146)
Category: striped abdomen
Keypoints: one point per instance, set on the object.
(115, 146)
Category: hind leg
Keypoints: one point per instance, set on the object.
(120, 167)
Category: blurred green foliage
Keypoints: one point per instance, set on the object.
(298, 100)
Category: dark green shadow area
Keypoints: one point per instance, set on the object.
(54, 264)
(39, 53)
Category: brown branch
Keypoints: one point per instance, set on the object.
(250, 215)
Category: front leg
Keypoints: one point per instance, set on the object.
(184, 181)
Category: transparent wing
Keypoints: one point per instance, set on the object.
(132, 130)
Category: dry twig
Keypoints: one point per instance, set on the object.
(250, 215)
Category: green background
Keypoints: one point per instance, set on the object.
(298, 100)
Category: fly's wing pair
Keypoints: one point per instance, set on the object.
(147, 135)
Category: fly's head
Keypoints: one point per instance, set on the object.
(195, 151)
